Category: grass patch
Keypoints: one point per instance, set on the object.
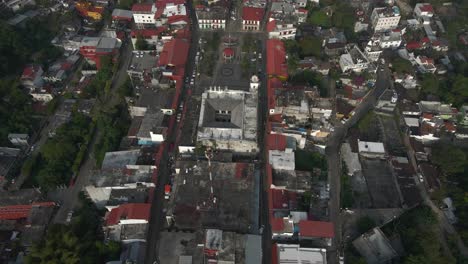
(365, 123)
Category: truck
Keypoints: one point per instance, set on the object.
(167, 191)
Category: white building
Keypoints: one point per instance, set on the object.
(282, 160)
(144, 14)
(390, 40)
(353, 60)
(423, 10)
(212, 18)
(385, 18)
(294, 254)
(425, 64)
(280, 30)
(371, 149)
(251, 17)
(229, 118)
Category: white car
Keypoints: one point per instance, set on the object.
(69, 216)
(421, 179)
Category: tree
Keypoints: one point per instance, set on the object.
(17, 121)
(430, 84)
(81, 242)
(450, 159)
(141, 43)
(365, 223)
(311, 46)
(126, 4)
(401, 65)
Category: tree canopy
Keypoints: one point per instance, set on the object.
(18, 121)
(81, 242)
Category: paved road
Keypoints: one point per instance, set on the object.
(158, 218)
(70, 198)
(383, 82)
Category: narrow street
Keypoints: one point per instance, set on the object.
(70, 198)
(334, 160)
(158, 217)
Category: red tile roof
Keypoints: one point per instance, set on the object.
(140, 211)
(30, 71)
(284, 199)
(271, 25)
(316, 229)
(16, 212)
(277, 224)
(142, 7)
(276, 58)
(148, 32)
(426, 8)
(449, 126)
(413, 45)
(252, 13)
(174, 53)
(228, 52)
(276, 142)
(178, 18)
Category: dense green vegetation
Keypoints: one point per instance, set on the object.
(18, 121)
(338, 14)
(451, 90)
(364, 224)
(307, 160)
(141, 43)
(101, 83)
(54, 165)
(401, 65)
(311, 79)
(113, 124)
(418, 230)
(81, 242)
(19, 45)
(453, 161)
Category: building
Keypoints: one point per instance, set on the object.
(122, 15)
(114, 186)
(16, 5)
(94, 48)
(89, 10)
(211, 17)
(152, 130)
(229, 118)
(375, 247)
(425, 64)
(316, 231)
(144, 14)
(354, 60)
(371, 149)
(173, 57)
(150, 35)
(229, 247)
(252, 17)
(210, 194)
(276, 59)
(282, 160)
(127, 222)
(295, 254)
(280, 29)
(422, 10)
(19, 140)
(32, 77)
(389, 39)
(385, 18)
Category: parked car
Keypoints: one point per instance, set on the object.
(69, 216)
